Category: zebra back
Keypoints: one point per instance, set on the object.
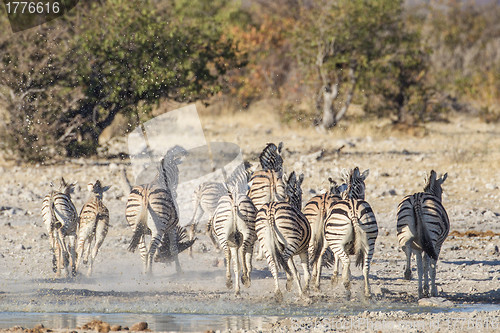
(239, 178)
(58, 210)
(94, 209)
(266, 186)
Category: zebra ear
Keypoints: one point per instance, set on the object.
(301, 178)
(443, 178)
(365, 174)
(280, 147)
(332, 182)
(105, 188)
(90, 187)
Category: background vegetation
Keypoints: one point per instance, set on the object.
(63, 83)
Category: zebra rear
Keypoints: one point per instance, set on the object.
(94, 224)
(234, 226)
(61, 220)
(351, 229)
(283, 231)
(316, 211)
(423, 225)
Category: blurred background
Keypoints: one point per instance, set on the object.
(68, 86)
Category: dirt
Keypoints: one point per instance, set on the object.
(468, 273)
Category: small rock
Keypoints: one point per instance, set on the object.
(103, 328)
(490, 186)
(392, 192)
(492, 249)
(435, 302)
(21, 247)
(141, 326)
(115, 328)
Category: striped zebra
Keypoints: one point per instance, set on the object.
(351, 229)
(93, 227)
(316, 211)
(270, 158)
(283, 231)
(61, 220)
(207, 195)
(234, 226)
(152, 210)
(423, 226)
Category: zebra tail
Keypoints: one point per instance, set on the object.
(423, 234)
(358, 246)
(274, 245)
(140, 229)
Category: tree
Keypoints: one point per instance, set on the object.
(337, 41)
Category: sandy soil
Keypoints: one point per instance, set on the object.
(468, 275)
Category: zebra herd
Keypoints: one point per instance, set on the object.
(264, 205)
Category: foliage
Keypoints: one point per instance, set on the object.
(122, 58)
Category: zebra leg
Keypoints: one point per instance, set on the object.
(420, 271)
(318, 265)
(295, 275)
(143, 250)
(248, 253)
(304, 259)
(274, 271)
(72, 254)
(155, 242)
(53, 249)
(426, 260)
(366, 271)
(174, 250)
(229, 282)
(236, 268)
(346, 272)
(191, 231)
(407, 250)
(433, 264)
(335, 275)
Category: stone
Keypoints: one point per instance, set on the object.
(435, 302)
(115, 328)
(140, 326)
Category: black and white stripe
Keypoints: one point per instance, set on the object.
(283, 231)
(151, 210)
(422, 226)
(234, 226)
(351, 229)
(316, 211)
(61, 220)
(93, 227)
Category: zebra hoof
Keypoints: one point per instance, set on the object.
(316, 288)
(246, 281)
(335, 280)
(229, 284)
(288, 285)
(407, 274)
(278, 296)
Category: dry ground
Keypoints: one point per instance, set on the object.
(468, 269)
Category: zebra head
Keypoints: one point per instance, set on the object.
(294, 190)
(355, 184)
(175, 154)
(334, 188)
(433, 185)
(66, 188)
(96, 189)
(270, 158)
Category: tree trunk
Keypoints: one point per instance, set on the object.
(330, 93)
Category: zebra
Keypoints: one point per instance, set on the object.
(316, 211)
(270, 157)
(93, 227)
(283, 231)
(351, 229)
(207, 195)
(234, 225)
(422, 226)
(61, 220)
(152, 210)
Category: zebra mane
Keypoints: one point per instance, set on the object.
(433, 185)
(270, 158)
(294, 190)
(355, 184)
(66, 188)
